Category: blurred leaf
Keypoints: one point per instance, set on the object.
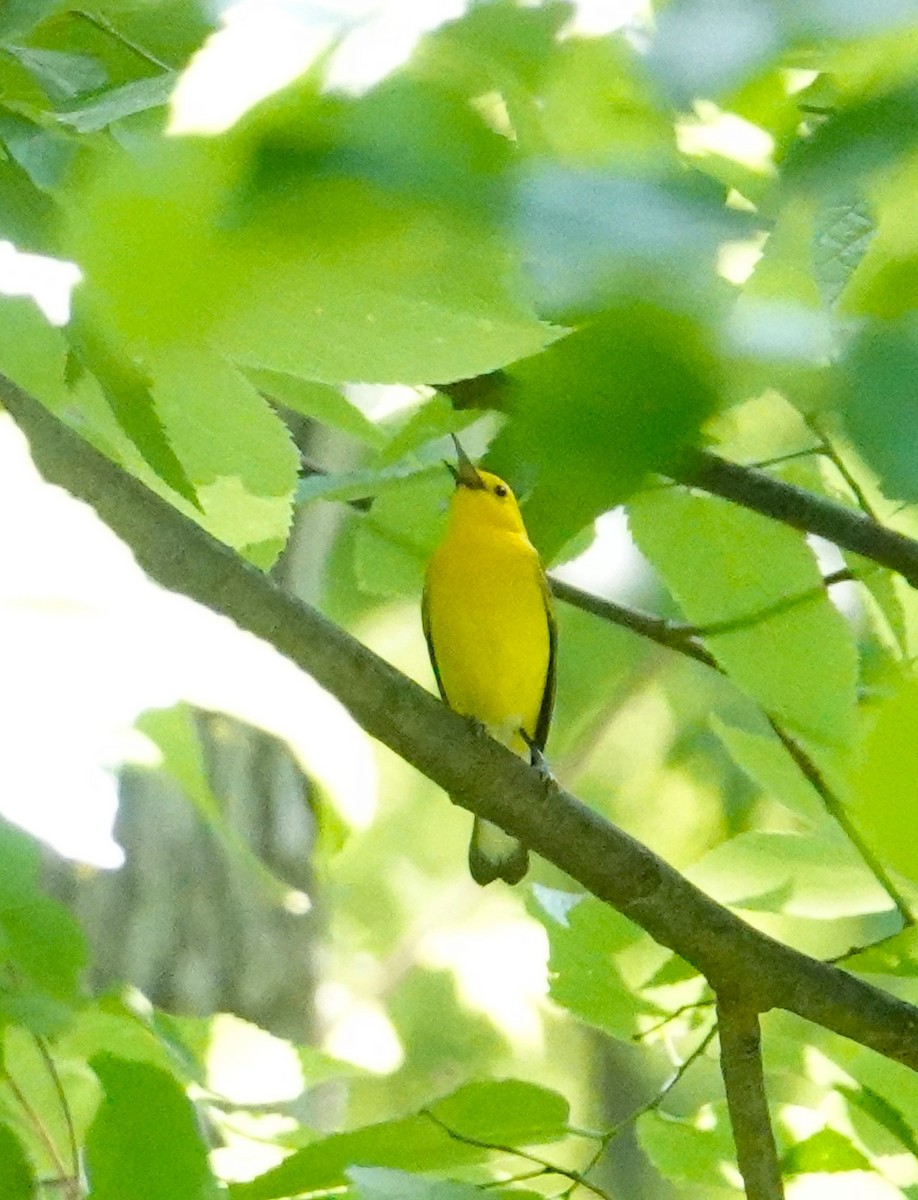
(39, 941)
(139, 95)
(597, 411)
(505, 1111)
(586, 976)
(841, 236)
(27, 1067)
(684, 1152)
(885, 1114)
(110, 1027)
(319, 401)
(710, 47)
(175, 735)
(434, 418)
(879, 403)
(397, 536)
(16, 1179)
(44, 154)
(725, 563)
(768, 764)
(145, 1142)
(824, 1152)
(882, 782)
(312, 271)
(63, 76)
(20, 16)
(593, 237)
(854, 143)
(28, 217)
(801, 874)
(377, 1183)
(367, 483)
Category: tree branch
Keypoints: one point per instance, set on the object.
(482, 775)
(744, 1081)
(846, 527)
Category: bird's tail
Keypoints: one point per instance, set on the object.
(494, 854)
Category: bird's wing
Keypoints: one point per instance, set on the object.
(548, 695)
(425, 621)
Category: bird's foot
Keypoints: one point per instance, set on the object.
(537, 759)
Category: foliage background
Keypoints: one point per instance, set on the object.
(717, 199)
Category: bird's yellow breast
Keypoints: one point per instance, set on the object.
(489, 628)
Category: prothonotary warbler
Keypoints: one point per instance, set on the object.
(491, 635)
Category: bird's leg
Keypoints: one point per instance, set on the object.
(537, 758)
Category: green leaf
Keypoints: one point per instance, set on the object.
(44, 154)
(506, 1111)
(126, 387)
(503, 1112)
(885, 1114)
(139, 95)
(63, 76)
(684, 1152)
(597, 411)
(397, 536)
(17, 1181)
(820, 877)
(842, 232)
(145, 1141)
(314, 272)
(319, 401)
(826, 1151)
(767, 763)
(377, 1183)
(892, 956)
(883, 779)
(18, 17)
(587, 975)
(878, 401)
(725, 563)
(233, 447)
(28, 217)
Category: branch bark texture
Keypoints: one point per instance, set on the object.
(744, 1082)
(481, 774)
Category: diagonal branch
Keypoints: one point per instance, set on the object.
(744, 1081)
(483, 776)
(846, 527)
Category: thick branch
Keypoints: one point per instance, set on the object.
(481, 774)
(744, 1080)
(846, 527)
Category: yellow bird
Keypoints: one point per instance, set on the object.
(491, 634)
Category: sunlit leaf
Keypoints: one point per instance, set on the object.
(686, 1152)
(824, 1152)
(724, 563)
(17, 1181)
(145, 1140)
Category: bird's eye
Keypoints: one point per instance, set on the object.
(500, 490)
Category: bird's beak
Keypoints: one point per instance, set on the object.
(464, 474)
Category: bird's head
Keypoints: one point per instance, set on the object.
(482, 500)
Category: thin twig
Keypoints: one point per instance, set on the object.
(776, 609)
(654, 1102)
(744, 1081)
(828, 449)
(692, 1006)
(836, 809)
(548, 1168)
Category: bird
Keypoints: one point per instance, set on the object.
(488, 620)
